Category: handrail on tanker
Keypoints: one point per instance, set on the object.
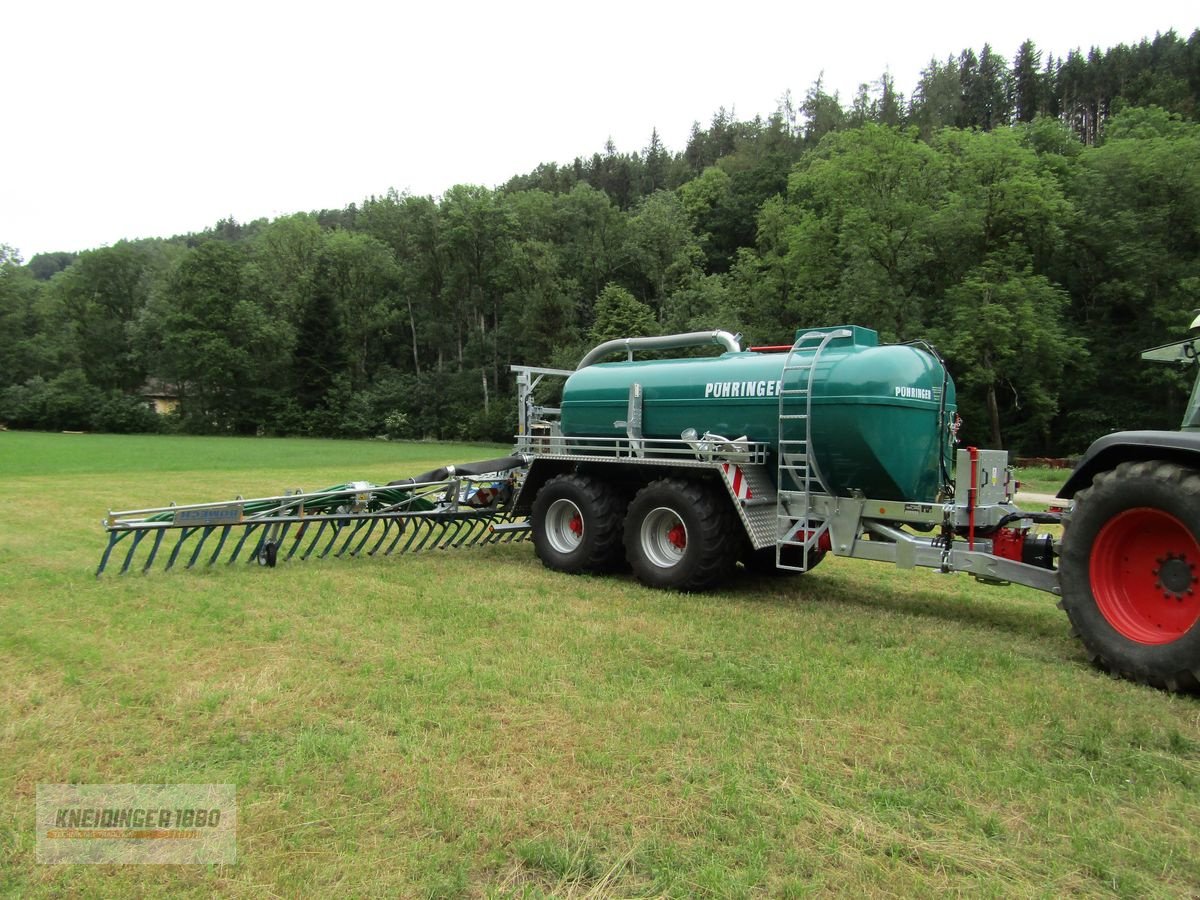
(731, 343)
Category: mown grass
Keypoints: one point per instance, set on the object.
(1042, 481)
(470, 724)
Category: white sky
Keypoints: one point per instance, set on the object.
(147, 119)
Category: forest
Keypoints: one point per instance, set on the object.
(1038, 221)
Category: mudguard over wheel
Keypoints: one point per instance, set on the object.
(576, 523)
(1130, 572)
(681, 535)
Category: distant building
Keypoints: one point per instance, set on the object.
(161, 397)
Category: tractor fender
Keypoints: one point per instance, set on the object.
(1108, 452)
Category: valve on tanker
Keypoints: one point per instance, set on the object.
(709, 444)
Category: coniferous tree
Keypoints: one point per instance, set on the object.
(937, 100)
(1027, 83)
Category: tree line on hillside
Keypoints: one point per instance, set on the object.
(1038, 222)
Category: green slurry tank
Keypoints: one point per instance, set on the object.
(880, 415)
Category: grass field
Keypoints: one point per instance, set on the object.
(470, 724)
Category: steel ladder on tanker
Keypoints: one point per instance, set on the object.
(796, 524)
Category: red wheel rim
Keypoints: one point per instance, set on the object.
(1144, 575)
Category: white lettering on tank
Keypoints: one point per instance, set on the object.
(742, 389)
(914, 393)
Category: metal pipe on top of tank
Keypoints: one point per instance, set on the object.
(731, 343)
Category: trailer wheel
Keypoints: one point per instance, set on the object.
(680, 535)
(576, 523)
(1130, 573)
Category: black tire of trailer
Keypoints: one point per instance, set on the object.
(576, 523)
(1130, 573)
(681, 535)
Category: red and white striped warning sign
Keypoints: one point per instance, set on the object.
(737, 481)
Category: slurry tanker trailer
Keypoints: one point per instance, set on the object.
(685, 468)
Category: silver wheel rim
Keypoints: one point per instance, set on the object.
(559, 533)
(658, 542)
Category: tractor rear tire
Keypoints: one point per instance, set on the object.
(576, 523)
(681, 535)
(1130, 573)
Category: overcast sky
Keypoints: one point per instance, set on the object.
(148, 119)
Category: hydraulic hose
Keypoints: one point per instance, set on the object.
(483, 467)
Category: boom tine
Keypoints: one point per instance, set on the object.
(332, 540)
(387, 526)
(470, 534)
(153, 550)
(350, 530)
(401, 526)
(467, 526)
(366, 537)
(355, 529)
(449, 532)
(446, 538)
(250, 527)
(208, 529)
(220, 544)
(137, 539)
(262, 539)
(413, 532)
(468, 537)
(296, 540)
(483, 532)
(313, 542)
(477, 532)
(429, 532)
(184, 534)
(113, 538)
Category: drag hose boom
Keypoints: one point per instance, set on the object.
(454, 506)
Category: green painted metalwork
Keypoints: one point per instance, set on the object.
(880, 425)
